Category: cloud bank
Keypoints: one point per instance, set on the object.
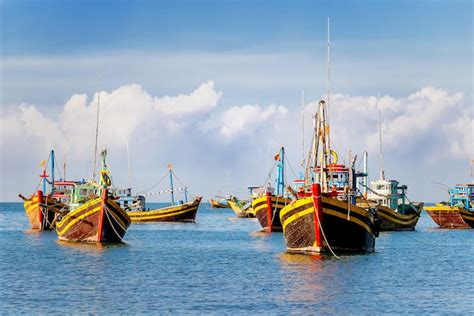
(210, 140)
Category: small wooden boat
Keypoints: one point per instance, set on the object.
(222, 203)
(267, 203)
(242, 209)
(98, 220)
(41, 210)
(42, 207)
(177, 212)
(267, 210)
(458, 212)
(185, 212)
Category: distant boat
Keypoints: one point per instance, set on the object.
(458, 212)
(388, 198)
(42, 207)
(219, 203)
(94, 215)
(177, 212)
(268, 204)
(242, 208)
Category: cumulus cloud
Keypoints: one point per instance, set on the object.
(429, 126)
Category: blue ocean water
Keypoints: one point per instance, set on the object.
(220, 265)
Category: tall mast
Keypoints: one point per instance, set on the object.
(170, 168)
(96, 137)
(52, 171)
(327, 87)
(128, 167)
(382, 171)
(302, 126)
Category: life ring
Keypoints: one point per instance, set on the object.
(106, 179)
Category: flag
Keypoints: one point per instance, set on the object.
(277, 157)
(43, 164)
(170, 166)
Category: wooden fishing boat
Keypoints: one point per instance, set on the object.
(324, 216)
(458, 212)
(185, 212)
(42, 207)
(242, 209)
(41, 210)
(267, 203)
(320, 223)
(267, 210)
(222, 203)
(99, 220)
(177, 212)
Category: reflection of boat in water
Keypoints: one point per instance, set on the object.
(177, 212)
(268, 204)
(458, 212)
(93, 214)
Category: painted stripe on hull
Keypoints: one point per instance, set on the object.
(391, 220)
(346, 235)
(32, 210)
(81, 225)
(180, 213)
(260, 206)
(467, 216)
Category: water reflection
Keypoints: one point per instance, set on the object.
(90, 248)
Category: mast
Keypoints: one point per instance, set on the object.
(170, 168)
(128, 167)
(280, 182)
(327, 87)
(96, 137)
(52, 171)
(382, 171)
(302, 126)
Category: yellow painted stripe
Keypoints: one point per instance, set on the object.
(161, 211)
(295, 204)
(76, 211)
(395, 213)
(343, 204)
(74, 221)
(441, 207)
(402, 222)
(297, 215)
(118, 219)
(352, 219)
(157, 216)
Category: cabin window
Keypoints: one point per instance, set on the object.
(83, 192)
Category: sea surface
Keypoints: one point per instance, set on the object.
(222, 265)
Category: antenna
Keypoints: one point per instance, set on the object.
(382, 171)
(96, 137)
(327, 87)
(128, 166)
(302, 125)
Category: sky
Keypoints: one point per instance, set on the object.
(215, 87)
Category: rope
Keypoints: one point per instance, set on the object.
(324, 235)
(107, 210)
(269, 174)
(182, 184)
(154, 185)
(107, 214)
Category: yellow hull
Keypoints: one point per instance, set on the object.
(179, 213)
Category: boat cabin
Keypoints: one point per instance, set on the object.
(387, 193)
(462, 195)
(130, 202)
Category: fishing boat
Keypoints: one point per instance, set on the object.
(242, 208)
(324, 216)
(42, 207)
(94, 216)
(219, 203)
(129, 202)
(268, 204)
(388, 197)
(182, 211)
(458, 212)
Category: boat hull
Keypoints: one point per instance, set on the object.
(269, 206)
(239, 212)
(346, 231)
(179, 213)
(217, 204)
(391, 220)
(41, 212)
(467, 216)
(99, 220)
(447, 216)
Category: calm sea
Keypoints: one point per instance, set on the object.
(220, 265)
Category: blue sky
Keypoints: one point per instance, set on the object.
(257, 53)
